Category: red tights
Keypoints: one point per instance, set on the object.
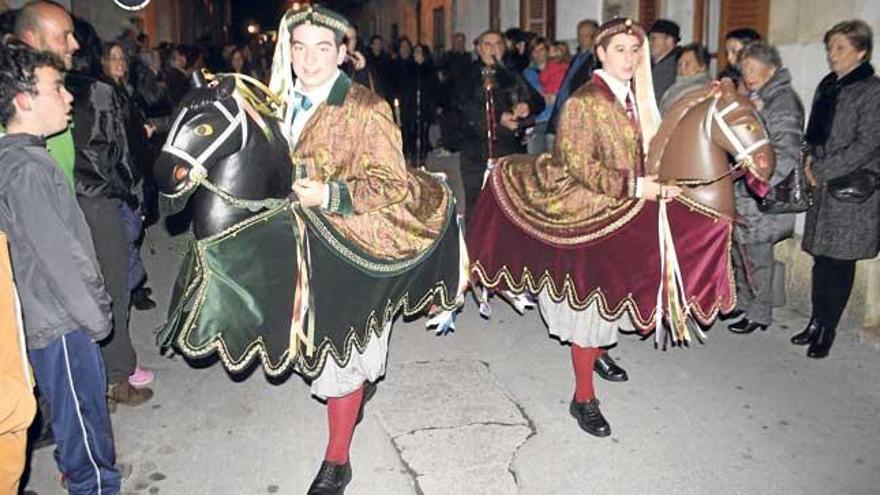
(583, 359)
(342, 414)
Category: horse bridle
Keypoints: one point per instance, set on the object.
(743, 153)
(198, 173)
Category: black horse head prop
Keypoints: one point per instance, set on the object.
(209, 126)
(218, 141)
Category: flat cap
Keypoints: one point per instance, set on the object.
(665, 26)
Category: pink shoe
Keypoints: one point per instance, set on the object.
(141, 377)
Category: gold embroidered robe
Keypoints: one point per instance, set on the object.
(384, 208)
(586, 188)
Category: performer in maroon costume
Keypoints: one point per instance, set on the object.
(580, 226)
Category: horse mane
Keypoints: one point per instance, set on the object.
(669, 124)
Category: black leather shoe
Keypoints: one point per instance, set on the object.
(369, 392)
(736, 313)
(806, 336)
(820, 345)
(590, 418)
(140, 299)
(608, 369)
(331, 479)
(745, 326)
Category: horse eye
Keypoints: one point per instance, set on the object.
(751, 128)
(204, 130)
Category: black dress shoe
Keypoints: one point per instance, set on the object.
(821, 343)
(736, 313)
(609, 370)
(745, 326)
(806, 336)
(369, 392)
(331, 479)
(590, 418)
(140, 299)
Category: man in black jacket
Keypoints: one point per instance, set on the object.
(104, 176)
(515, 101)
(664, 38)
(380, 61)
(454, 69)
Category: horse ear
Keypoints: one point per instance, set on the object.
(728, 89)
(226, 87)
(198, 79)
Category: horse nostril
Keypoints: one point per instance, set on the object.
(180, 172)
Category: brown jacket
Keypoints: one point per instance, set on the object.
(587, 186)
(376, 203)
(17, 404)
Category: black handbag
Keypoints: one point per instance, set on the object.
(854, 187)
(789, 196)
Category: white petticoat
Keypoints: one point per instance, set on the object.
(369, 366)
(585, 328)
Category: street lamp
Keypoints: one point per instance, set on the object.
(252, 28)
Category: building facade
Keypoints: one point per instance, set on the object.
(176, 21)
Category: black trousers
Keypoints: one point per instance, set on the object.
(416, 144)
(832, 284)
(473, 167)
(112, 250)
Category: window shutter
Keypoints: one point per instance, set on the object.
(737, 14)
(538, 16)
(648, 12)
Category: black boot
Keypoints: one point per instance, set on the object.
(820, 345)
(331, 479)
(807, 334)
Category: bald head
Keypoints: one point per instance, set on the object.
(47, 26)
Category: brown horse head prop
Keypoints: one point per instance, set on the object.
(695, 140)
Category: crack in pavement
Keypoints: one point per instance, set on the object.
(413, 474)
(456, 427)
(533, 430)
(398, 443)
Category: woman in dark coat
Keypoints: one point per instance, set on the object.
(769, 85)
(843, 136)
(418, 85)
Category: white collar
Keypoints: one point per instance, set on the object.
(322, 92)
(618, 87)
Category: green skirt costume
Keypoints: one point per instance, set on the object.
(238, 292)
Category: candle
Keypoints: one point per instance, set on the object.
(397, 112)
